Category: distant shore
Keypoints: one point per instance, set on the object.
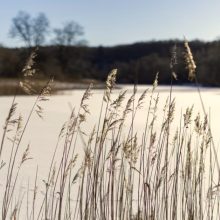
(11, 86)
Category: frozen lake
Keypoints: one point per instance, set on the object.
(42, 134)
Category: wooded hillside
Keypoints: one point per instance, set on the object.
(137, 62)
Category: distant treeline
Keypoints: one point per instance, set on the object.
(137, 62)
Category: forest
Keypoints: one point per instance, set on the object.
(136, 63)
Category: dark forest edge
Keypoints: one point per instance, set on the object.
(136, 63)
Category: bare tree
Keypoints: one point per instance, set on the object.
(40, 29)
(32, 31)
(65, 37)
(68, 34)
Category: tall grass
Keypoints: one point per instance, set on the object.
(125, 172)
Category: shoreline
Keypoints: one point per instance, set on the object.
(9, 86)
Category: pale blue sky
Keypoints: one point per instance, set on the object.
(111, 22)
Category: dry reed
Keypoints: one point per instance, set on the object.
(126, 173)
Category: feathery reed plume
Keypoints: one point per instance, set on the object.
(141, 99)
(27, 84)
(131, 150)
(128, 107)
(10, 115)
(28, 69)
(110, 82)
(198, 124)
(46, 90)
(83, 105)
(170, 115)
(190, 63)
(43, 96)
(118, 102)
(25, 155)
(187, 116)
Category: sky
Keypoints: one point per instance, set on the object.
(113, 22)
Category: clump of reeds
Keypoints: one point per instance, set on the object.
(125, 172)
